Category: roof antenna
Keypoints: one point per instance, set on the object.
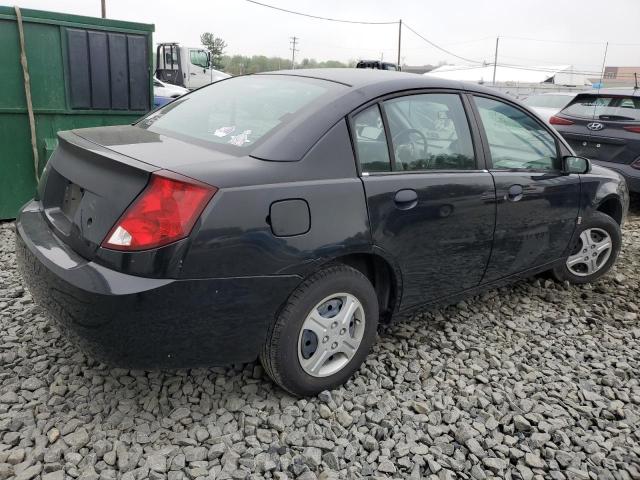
(635, 76)
(604, 61)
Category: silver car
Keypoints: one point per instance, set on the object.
(547, 105)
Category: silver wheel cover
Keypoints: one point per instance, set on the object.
(337, 324)
(595, 249)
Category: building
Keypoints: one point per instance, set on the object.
(419, 69)
(620, 76)
(562, 75)
(517, 81)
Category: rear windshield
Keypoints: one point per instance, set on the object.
(547, 101)
(606, 107)
(237, 114)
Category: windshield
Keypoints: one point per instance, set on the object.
(236, 114)
(547, 101)
(605, 107)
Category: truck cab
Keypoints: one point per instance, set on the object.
(377, 65)
(188, 67)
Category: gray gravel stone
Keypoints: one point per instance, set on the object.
(495, 464)
(531, 381)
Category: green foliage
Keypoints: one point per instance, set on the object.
(240, 64)
(216, 46)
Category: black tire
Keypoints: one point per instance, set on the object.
(596, 220)
(279, 355)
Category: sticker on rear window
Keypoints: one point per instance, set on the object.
(240, 139)
(224, 131)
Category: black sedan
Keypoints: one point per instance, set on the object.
(285, 215)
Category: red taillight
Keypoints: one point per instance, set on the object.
(632, 128)
(559, 121)
(164, 212)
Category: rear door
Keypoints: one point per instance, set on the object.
(431, 203)
(603, 127)
(537, 205)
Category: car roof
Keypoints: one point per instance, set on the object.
(361, 77)
(626, 91)
(564, 94)
(359, 86)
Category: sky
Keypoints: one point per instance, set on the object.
(532, 32)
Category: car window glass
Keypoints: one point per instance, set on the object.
(240, 112)
(371, 142)
(199, 58)
(430, 132)
(547, 101)
(171, 58)
(604, 107)
(516, 139)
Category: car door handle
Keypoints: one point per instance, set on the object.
(515, 193)
(192, 73)
(406, 199)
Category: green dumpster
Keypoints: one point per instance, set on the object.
(82, 71)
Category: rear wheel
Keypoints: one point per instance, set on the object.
(324, 332)
(594, 251)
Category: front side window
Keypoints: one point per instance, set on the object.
(199, 58)
(430, 132)
(516, 140)
(239, 112)
(370, 140)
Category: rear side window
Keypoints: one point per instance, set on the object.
(604, 107)
(238, 113)
(516, 140)
(430, 132)
(370, 140)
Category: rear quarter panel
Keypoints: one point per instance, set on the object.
(236, 239)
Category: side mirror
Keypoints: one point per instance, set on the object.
(571, 164)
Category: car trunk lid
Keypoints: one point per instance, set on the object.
(85, 188)
(599, 147)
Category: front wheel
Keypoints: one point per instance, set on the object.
(323, 333)
(593, 252)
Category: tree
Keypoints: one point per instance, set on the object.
(216, 47)
(240, 64)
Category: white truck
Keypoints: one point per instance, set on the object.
(187, 67)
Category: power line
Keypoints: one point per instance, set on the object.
(579, 42)
(541, 62)
(317, 17)
(549, 40)
(439, 47)
(533, 69)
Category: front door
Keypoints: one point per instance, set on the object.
(537, 205)
(431, 204)
(199, 68)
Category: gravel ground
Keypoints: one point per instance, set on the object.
(538, 380)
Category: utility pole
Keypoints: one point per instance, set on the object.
(495, 62)
(104, 8)
(294, 42)
(399, 40)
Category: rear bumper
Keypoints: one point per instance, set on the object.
(630, 174)
(137, 322)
